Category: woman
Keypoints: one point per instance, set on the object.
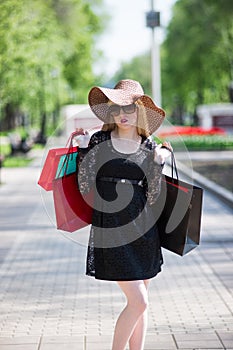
(124, 168)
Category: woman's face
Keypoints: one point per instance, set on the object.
(125, 117)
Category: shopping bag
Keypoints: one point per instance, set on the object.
(73, 210)
(180, 221)
(67, 163)
(53, 164)
(57, 161)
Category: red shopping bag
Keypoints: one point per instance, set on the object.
(56, 162)
(71, 207)
(50, 167)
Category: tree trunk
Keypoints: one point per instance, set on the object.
(10, 116)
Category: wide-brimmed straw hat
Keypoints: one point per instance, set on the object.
(125, 93)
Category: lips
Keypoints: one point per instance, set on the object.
(124, 120)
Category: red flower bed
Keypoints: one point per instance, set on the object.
(191, 131)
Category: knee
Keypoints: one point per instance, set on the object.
(140, 304)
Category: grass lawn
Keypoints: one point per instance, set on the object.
(14, 161)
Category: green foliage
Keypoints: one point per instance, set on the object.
(202, 143)
(45, 55)
(197, 54)
(5, 150)
(13, 161)
(16, 162)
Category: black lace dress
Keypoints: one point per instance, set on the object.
(124, 243)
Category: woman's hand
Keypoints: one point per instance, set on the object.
(162, 151)
(167, 145)
(82, 138)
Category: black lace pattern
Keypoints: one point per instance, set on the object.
(87, 172)
(123, 243)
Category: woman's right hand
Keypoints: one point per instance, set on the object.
(82, 138)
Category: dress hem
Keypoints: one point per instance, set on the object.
(149, 276)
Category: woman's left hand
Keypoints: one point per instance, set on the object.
(167, 145)
(162, 151)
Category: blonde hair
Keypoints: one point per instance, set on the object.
(142, 125)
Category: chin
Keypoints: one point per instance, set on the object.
(125, 126)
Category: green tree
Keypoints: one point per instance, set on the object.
(223, 11)
(196, 55)
(24, 50)
(39, 40)
(81, 26)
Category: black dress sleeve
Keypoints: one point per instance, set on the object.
(152, 182)
(87, 163)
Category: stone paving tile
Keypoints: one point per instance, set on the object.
(199, 341)
(61, 339)
(226, 338)
(62, 342)
(19, 347)
(160, 341)
(225, 335)
(98, 342)
(194, 336)
(63, 346)
(153, 342)
(19, 340)
(200, 344)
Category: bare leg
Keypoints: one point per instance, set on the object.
(137, 339)
(137, 299)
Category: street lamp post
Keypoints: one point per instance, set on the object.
(153, 21)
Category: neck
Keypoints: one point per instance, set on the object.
(131, 134)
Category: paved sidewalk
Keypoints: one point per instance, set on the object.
(48, 303)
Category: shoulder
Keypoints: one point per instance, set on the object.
(149, 143)
(99, 136)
